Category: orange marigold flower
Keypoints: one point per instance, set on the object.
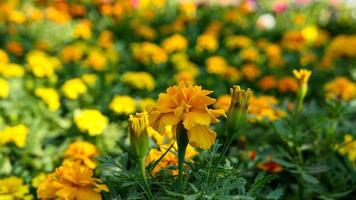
(270, 166)
(71, 182)
(187, 104)
(287, 84)
(267, 82)
(82, 152)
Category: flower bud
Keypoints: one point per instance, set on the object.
(302, 77)
(238, 108)
(139, 138)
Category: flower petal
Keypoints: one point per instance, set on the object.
(201, 137)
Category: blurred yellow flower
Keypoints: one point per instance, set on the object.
(13, 188)
(82, 152)
(73, 88)
(71, 182)
(11, 70)
(216, 65)
(105, 39)
(302, 76)
(123, 105)
(89, 79)
(17, 17)
(340, 88)
(310, 33)
(264, 107)
(90, 121)
(348, 148)
(207, 42)
(139, 80)
(83, 30)
(50, 97)
(16, 134)
(4, 58)
(147, 53)
(267, 82)
(71, 53)
(96, 60)
(42, 65)
(188, 105)
(4, 88)
(223, 102)
(175, 43)
(249, 54)
(144, 103)
(250, 71)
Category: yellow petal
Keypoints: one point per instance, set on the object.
(201, 137)
(87, 193)
(195, 118)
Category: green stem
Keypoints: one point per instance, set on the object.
(182, 142)
(143, 173)
(225, 148)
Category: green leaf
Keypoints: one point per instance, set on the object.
(276, 194)
(260, 181)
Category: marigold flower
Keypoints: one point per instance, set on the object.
(264, 107)
(302, 76)
(287, 84)
(42, 65)
(207, 42)
(139, 80)
(96, 60)
(223, 102)
(4, 88)
(11, 70)
(187, 105)
(340, 88)
(73, 88)
(16, 134)
(13, 188)
(123, 105)
(83, 30)
(147, 53)
(175, 43)
(267, 82)
(348, 147)
(72, 182)
(270, 166)
(82, 152)
(90, 121)
(50, 97)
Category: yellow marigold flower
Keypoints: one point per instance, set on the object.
(139, 80)
(175, 43)
(145, 31)
(237, 41)
(187, 105)
(72, 182)
(105, 39)
(264, 107)
(348, 148)
(4, 88)
(83, 30)
(293, 40)
(4, 58)
(73, 88)
(310, 33)
(96, 60)
(216, 65)
(13, 188)
(16, 134)
(207, 42)
(50, 97)
(123, 105)
(90, 79)
(249, 54)
(170, 159)
(188, 9)
(11, 70)
(340, 88)
(56, 15)
(287, 84)
(17, 17)
(42, 65)
(38, 179)
(82, 152)
(90, 121)
(147, 53)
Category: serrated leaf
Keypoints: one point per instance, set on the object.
(276, 194)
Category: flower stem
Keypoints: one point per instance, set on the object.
(143, 173)
(182, 142)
